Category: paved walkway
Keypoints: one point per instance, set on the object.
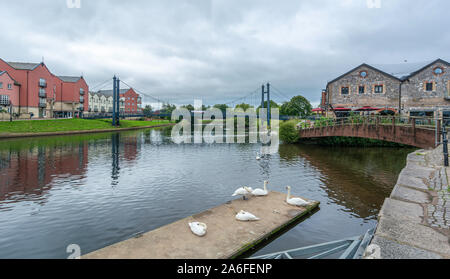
(414, 223)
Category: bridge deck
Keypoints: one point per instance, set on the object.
(225, 238)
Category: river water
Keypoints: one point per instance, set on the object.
(96, 190)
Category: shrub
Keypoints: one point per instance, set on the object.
(289, 132)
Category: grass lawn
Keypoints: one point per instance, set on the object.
(62, 125)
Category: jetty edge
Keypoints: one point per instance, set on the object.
(226, 237)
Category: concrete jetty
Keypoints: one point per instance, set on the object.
(414, 223)
(225, 238)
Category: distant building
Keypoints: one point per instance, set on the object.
(102, 101)
(43, 94)
(410, 88)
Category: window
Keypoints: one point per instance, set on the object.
(429, 86)
(1, 85)
(4, 100)
(345, 90)
(363, 74)
(378, 89)
(438, 71)
(9, 86)
(362, 89)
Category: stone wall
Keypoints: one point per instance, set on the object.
(416, 98)
(389, 97)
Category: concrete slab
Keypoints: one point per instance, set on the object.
(393, 250)
(409, 233)
(402, 210)
(407, 194)
(225, 238)
(413, 182)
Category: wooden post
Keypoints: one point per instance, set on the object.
(414, 128)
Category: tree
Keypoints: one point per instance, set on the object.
(244, 106)
(188, 107)
(272, 106)
(222, 107)
(297, 106)
(147, 110)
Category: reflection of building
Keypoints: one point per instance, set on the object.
(417, 89)
(27, 172)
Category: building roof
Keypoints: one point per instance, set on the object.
(69, 78)
(23, 66)
(5, 72)
(400, 71)
(110, 92)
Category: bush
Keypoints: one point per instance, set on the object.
(289, 132)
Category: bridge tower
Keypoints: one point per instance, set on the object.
(264, 92)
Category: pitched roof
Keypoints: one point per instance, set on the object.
(367, 66)
(23, 66)
(110, 92)
(69, 78)
(5, 72)
(400, 72)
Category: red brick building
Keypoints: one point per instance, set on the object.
(130, 101)
(9, 93)
(43, 94)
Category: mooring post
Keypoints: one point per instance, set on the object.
(438, 131)
(445, 142)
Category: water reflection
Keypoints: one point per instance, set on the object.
(95, 190)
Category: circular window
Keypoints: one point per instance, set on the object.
(363, 74)
(438, 71)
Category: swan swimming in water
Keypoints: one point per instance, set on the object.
(243, 191)
(198, 228)
(295, 201)
(246, 216)
(261, 192)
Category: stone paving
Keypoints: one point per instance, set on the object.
(414, 223)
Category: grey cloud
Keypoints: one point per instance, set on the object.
(221, 50)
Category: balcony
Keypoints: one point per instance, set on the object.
(81, 108)
(81, 91)
(95, 109)
(42, 83)
(103, 109)
(110, 110)
(81, 100)
(42, 104)
(42, 93)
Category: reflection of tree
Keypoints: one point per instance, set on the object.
(357, 178)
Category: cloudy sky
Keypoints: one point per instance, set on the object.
(221, 50)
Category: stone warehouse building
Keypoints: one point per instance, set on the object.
(31, 89)
(416, 89)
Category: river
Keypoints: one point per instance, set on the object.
(95, 190)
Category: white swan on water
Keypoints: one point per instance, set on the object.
(246, 216)
(198, 228)
(261, 192)
(243, 191)
(295, 201)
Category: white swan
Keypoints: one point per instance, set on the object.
(261, 192)
(295, 201)
(246, 216)
(258, 157)
(243, 191)
(198, 228)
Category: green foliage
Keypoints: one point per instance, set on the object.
(323, 122)
(272, 106)
(188, 107)
(243, 106)
(297, 106)
(222, 107)
(289, 132)
(147, 110)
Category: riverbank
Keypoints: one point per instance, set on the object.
(414, 223)
(37, 128)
